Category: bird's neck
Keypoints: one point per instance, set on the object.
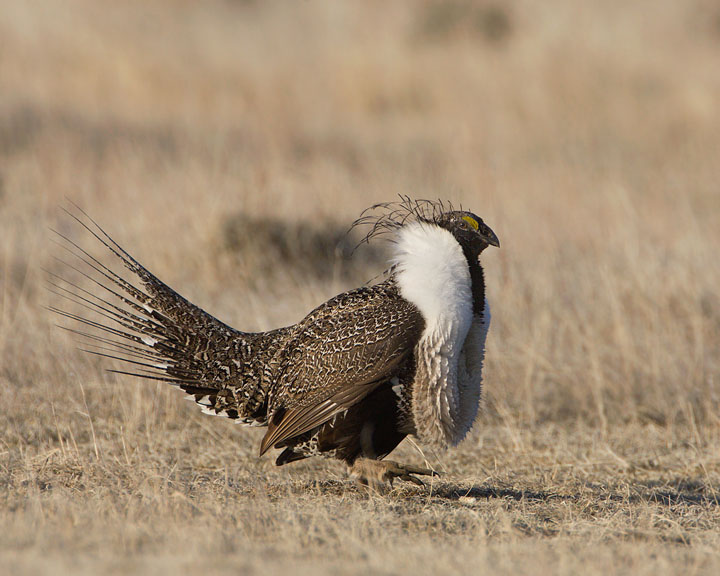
(432, 273)
(477, 277)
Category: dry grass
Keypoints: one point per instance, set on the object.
(585, 134)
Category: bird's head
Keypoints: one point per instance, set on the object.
(469, 230)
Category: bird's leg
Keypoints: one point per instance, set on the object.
(374, 473)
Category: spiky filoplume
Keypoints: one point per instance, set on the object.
(350, 380)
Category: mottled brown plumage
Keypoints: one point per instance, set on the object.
(343, 382)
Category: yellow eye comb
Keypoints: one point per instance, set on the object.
(471, 221)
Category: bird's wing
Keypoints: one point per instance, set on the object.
(154, 331)
(339, 354)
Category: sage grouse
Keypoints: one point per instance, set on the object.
(350, 380)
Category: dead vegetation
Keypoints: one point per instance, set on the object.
(229, 145)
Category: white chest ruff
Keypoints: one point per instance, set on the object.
(433, 274)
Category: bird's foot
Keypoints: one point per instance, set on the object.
(375, 473)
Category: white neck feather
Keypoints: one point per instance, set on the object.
(433, 274)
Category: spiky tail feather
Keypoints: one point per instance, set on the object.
(156, 333)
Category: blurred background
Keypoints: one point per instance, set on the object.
(229, 144)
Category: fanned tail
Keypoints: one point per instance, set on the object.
(154, 332)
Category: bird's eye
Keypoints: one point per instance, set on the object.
(470, 220)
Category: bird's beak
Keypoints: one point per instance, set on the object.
(491, 238)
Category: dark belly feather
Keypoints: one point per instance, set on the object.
(371, 428)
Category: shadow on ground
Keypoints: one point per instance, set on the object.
(653, 492)
(323, 250)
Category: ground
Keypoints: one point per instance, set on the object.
(227, 144)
